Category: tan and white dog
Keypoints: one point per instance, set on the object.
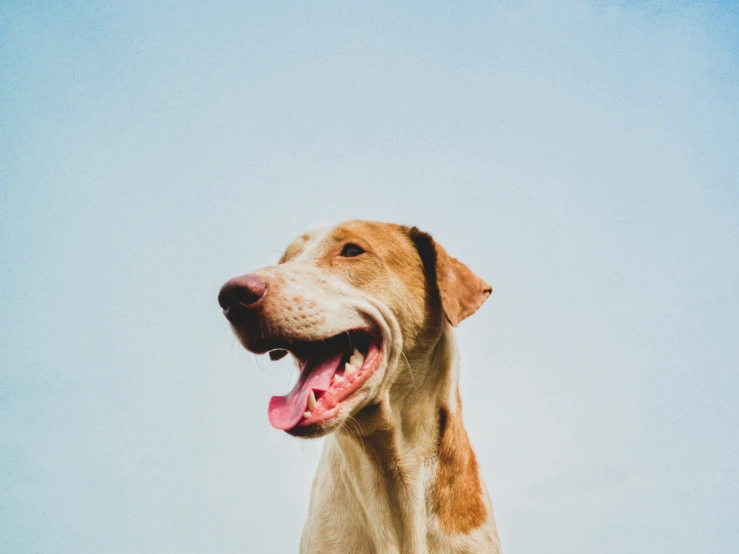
(367, 310)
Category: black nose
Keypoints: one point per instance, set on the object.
(241, 293)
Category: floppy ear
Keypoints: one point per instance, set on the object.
(461, 291)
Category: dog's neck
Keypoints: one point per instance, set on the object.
(409, 465)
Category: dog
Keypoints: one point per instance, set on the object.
(368, 312)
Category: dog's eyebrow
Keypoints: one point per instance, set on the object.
(361, 233)
(341, 234)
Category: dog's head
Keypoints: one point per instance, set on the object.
(352, 304)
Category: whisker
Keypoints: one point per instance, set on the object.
(258, 359)
(413, 380)
(358, 428)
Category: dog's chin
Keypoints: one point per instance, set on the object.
(317, 430)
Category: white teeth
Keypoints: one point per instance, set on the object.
(357, 359)
(306, 415)
(349, 369)
(338, 378)
(312, 401)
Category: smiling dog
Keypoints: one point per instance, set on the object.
(367, 310)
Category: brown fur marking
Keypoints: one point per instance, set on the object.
(457, 494)
(461, 291)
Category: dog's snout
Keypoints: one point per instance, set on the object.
(241, 293)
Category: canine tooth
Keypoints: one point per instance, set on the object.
(338, 378)
(312, 400)
(306, 415)
(356, 359)
(349, 369)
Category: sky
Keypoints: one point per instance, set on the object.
(582, 157)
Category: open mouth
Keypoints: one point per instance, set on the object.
(331, 370)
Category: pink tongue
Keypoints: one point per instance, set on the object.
(286, 411)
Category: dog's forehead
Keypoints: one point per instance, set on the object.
(373, 234)
(315, 239)
(306, 243)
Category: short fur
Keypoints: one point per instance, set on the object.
(397, 473)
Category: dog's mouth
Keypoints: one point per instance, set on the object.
(331, 371)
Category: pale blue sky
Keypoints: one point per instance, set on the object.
(583, 157)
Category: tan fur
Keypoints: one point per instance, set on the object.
(397, 473)
(457, 494)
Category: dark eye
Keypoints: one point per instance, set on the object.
(351, 250)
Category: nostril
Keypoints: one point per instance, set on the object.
(247, 296)
(245, 291)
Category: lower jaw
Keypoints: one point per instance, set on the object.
(363, 422)
(315, 430)
(330, 420)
